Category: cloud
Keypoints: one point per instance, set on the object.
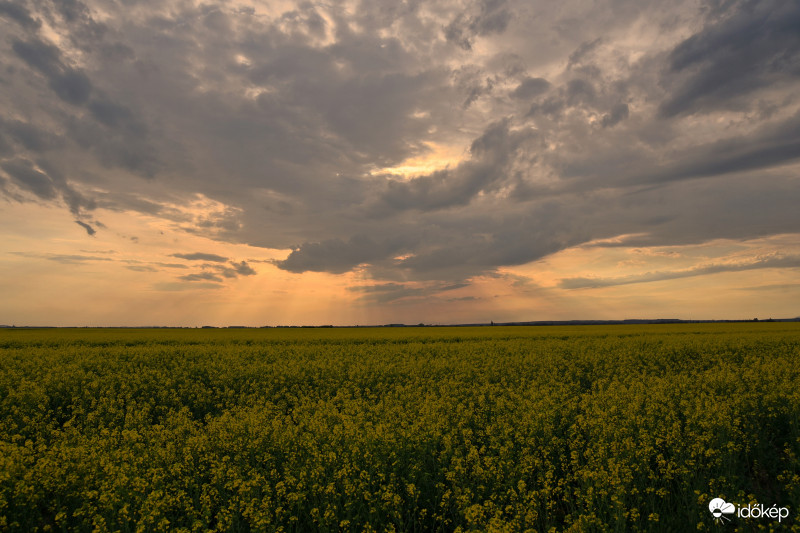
(23, 174)
(68, 259)
(30, 136)
(177, 286)
(484, 18)
(278, 126)
(202, 276)
(235, 270)
(585, 49)
(200, 256)
(44, 57)
(491, 154)
(384, 287)
(531, 87)
(617, 114)
(747, 46)
(215, 272)
(463, 299)
(71, 85)
(242, 268)
(46, 182)
(758, 263)
(171, 265)
(141, 268)
(387, 293)
(771, 145)
(338, 256)
(19, 14)
(90, 230)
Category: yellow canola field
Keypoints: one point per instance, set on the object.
(579, 428)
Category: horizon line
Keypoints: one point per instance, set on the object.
(576, 322)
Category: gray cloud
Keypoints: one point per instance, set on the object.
(202, 276)
(339, 256)
(141, 268)
(46, 182)
(531, 87)
(178, 286)
(486, 17)
(384, 287)
(747, 46)
(30, 136)
(285, 120)
(19, 14)
(393, 292)
(617, 114)
(214, 271)
(24, 174)
(69, 84)
(235, 270)
(68, 259)
(759, 263)
(581, 52)
(200, 256)
(171, 265)
(772, 145)
(90, 230)
(242, 268)
(487, 168)
(72, 86)
(44, 57)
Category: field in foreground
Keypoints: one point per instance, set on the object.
(610, 428)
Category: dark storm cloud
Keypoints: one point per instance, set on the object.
(23, 174)
(76, 201)
(617, 114)
(18, 13)
(72, 86)
(749, 45)
(113, 115)
(30, 136)
(281, 128)
(337, 256)
(69, 84)
(118, 137)
(772, 145)
(584, 50)
(200, 256)
(44, 57)
(486, 17)
(46, 182)
(531, 87)
(5, 146)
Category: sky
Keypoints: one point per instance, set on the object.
(183, 163)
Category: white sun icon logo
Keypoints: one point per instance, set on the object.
(719, 508)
